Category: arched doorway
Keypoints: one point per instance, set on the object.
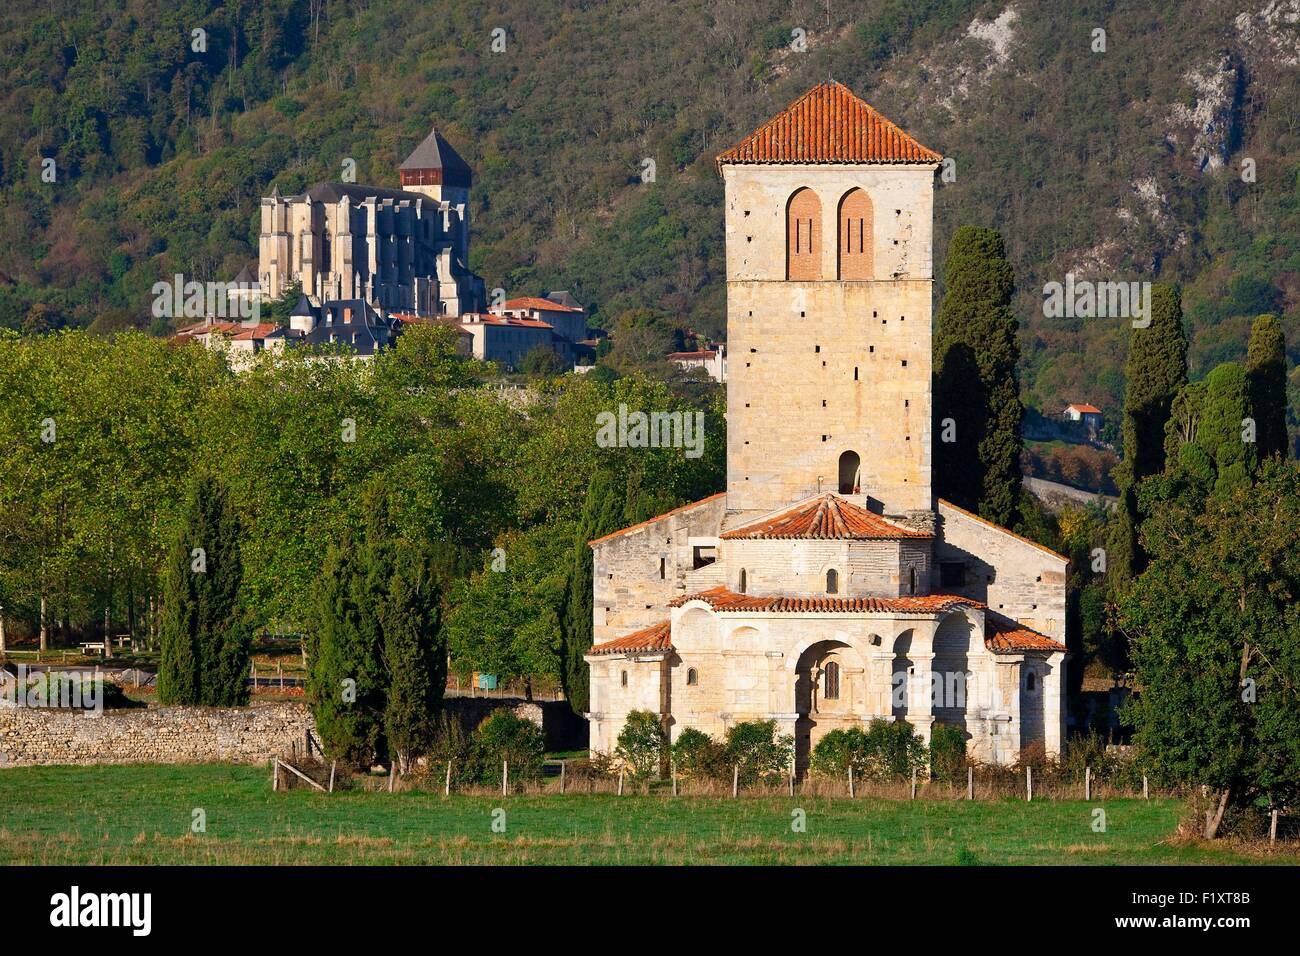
(829, 692)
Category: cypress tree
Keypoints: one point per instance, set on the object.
(1227, 405)
(205, 633)
(602, 514)
(415, 658)
(1266, 363)
(1155, 371)
(976, 354)
(346, 686)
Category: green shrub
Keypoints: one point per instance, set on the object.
(696, 754)
(947, 752)
(884, 751)
(754, 747)
(504, 736)
(839, 750)
(642, 743)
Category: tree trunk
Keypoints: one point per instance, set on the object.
(108, 629)
(1214, 819)
(45, 642)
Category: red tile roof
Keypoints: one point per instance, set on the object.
(725, 599)
(687, 356)
(1088, 409)
(656, 637)
(825, 518)
(259, 331)
(487, 318)
(533, 302)
(828, 124)
(1009, 637)
(643, 524)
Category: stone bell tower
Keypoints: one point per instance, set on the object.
(829, 210)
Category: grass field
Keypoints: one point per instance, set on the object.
(142, 815)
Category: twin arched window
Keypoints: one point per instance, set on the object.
(803, 220)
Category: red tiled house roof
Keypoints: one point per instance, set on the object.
(656, 637)
(533, 302)
(724, 599)
(823, 519)
(828, 124)
(1009, 637)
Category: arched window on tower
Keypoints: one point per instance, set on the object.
(850, 479)
(803, 221)
(743, 580)
(855, 241)
(911, 580)
(832, 581)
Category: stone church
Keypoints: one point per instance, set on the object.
(827, 586)
(399, 250)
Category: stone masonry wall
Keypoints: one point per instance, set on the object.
(152, 735)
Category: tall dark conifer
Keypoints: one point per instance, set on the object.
(602, 514)
(205, 633)
(978, 411)
(1266, 365)
(1155, 371)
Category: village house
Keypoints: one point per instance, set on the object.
(1089, 415)
(713, 361)
(827, 586)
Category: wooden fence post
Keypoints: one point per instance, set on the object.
(563, 764)
(1146, 795)
(792, 776)
(620, 783)
(505, 776)
(446, 787)
(392, 772)
(970, 783)
(913, 783)
(333, 766)
(735, 780)
(852, 794)
(1029, 785)
(275, 773)
(673, 765)
(1087, 783)
(1272, 826)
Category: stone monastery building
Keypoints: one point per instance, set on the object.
(827, 586)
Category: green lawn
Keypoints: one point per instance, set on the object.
(142, 815)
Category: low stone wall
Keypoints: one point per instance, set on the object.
(153, 735)
(220, 735)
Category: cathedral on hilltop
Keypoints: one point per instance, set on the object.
(399, 250)
(827, 586)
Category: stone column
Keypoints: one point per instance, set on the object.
(920, 712)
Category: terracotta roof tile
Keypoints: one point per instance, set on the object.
(1009, 637)
(724, 599)
(1087, 409)
(828, 124)
(533, 302)
(656, 637)
(822, 519)
(643, 524)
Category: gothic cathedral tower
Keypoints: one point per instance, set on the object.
(829, 210)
